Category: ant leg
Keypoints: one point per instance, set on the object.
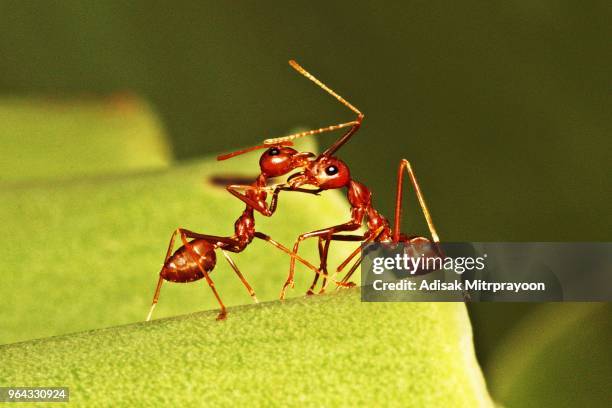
(287, 251)
(161, 280)
(155, 297)
(365, 238)
(405, 164)
(324, 264)
(352, 225)
(346, 262)
(342, 238)
(368, 237)
(293, 256)
(223, 312)
(240, 276)
(213, 239)
(344, 282)
(322, 267)
(289, 280)
(348, 259)
(316, 277)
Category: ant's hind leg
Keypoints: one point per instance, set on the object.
(344, 238)
(161, 279)
(405, 164)
(240, 276)
(223, 311)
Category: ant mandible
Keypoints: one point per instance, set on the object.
(196, 258)
(329, 172)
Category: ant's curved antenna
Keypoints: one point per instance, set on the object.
(354, 125)
(276, 140)
(330, 91)
(250, 149)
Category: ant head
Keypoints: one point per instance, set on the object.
(277, 160)
(280, 160)
(326, 172)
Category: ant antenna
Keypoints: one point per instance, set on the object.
(250, 149)
(354, 125)
(294, 136)
(330, 91)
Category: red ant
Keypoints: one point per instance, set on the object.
(328, 172)
(195, 259)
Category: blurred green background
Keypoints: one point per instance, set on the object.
(502, 107)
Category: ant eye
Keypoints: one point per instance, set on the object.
(331, 170)
(274, 151)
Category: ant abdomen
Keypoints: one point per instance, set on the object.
(181, 267)
(417, 246)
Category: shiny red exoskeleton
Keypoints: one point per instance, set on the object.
(329, 172)
(196, 258)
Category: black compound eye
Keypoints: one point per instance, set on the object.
(274, 151)
(331, 170)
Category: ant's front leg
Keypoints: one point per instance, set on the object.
(342, 238)
(352, 225)
(258, 205)
(324, 243)
(324, 251)
(276, 191)
(312, 191)
(323, 246)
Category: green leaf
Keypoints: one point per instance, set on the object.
(329, 350)
(87, 254)
(45, 139)
(550, 352)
